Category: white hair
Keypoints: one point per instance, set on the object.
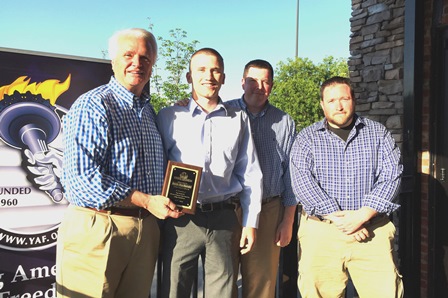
(135, 32)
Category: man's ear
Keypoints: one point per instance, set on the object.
(223, 78)
(188, 76)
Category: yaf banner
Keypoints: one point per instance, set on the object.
(36, 91)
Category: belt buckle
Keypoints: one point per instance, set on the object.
(319, 217)
(209, 207)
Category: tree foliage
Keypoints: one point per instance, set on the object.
(297, 87)
(167, 83)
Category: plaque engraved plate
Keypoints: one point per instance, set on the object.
(181, 185)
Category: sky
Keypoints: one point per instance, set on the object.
(241, 30)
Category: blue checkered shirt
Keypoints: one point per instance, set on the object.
(273, 131)
(112, 146)
(329, 174)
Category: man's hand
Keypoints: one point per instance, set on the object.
(351, 221)
(162, 207)
(183, 102)
(284, 230)
(361, 235)
(247, 240)
(283, 235)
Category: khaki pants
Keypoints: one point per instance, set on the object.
(327, 257)
(259, 267)
(103, 255)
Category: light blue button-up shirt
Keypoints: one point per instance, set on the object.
(221, 143)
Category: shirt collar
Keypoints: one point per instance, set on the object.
(126, 95)
(194, 108)
(260, 114)
(322, 125)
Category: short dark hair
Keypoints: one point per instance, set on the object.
(336, 80)
(259, 63)
(209, 51)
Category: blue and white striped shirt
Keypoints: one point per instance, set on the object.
(112, 146)
(273, 131)
(329, 174)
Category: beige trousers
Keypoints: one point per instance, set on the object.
(259, 267)
(328, 257)
(103, 255)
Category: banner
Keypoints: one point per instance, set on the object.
(36, 91)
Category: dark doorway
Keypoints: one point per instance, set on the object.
(438, 213)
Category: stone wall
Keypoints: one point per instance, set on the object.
(376, 62)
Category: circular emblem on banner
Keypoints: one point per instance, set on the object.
(32, 202)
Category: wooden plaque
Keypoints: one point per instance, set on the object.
(181, 185)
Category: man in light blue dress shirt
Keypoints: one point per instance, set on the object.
(217, 137)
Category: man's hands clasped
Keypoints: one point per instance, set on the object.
(352, 222)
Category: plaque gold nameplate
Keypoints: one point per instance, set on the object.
(181, 185)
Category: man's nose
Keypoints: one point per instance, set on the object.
(136, 60)
(339, 104)
(208, 74)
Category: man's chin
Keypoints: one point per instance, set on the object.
(341, 124)
(212, 93)
(135, 82)
(260, 97)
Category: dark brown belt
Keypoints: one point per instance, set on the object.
(321, 219)
(133, 212)
(316, 218)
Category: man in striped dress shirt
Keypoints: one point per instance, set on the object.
(346, 172)
(273, 131)
(113, 172)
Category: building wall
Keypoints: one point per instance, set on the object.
(376, 62)
(376, 70)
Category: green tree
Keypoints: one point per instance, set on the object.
(167, 83)
(297, 87)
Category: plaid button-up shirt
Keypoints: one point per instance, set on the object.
(329, 174)
(112, 145)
